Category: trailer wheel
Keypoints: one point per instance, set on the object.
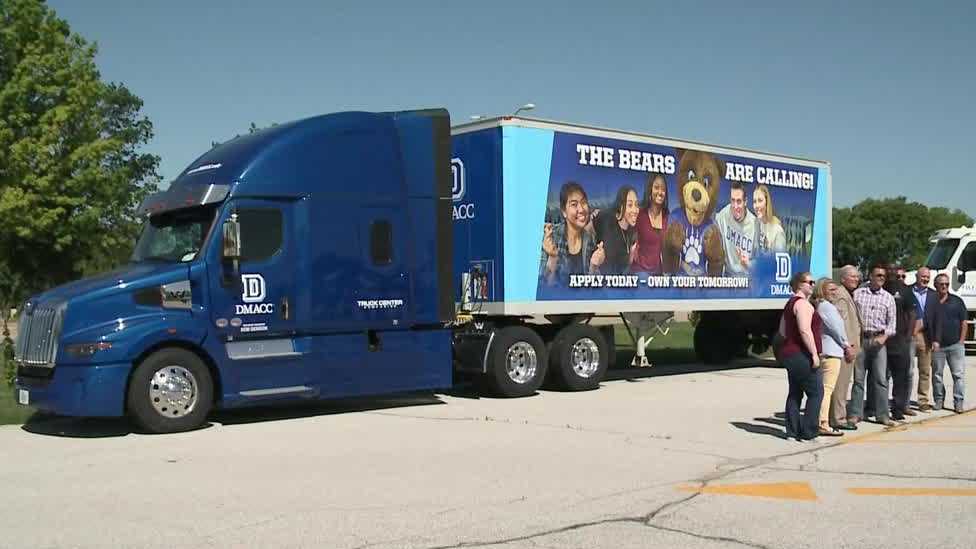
(517, 362)
(579, 357)
(712, 345)
(170, 391)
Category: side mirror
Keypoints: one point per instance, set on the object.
(961, 277)
(232, 238)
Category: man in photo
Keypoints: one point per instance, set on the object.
(739, 230)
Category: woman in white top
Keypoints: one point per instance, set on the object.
(834, 345)
(772, 237)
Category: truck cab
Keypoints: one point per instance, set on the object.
(953, 253)
(308, 260)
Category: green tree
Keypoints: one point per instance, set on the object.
(889, 229)
(71, 169)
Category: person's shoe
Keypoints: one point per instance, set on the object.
(910, 412)
(925, 408)
(898, 416)
(938, 406)
(887, 423)
(847, 426)
(830, 433)
(853, 420)
(958, 409)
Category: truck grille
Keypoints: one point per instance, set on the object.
(38, 332)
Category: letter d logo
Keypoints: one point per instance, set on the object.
(458, 187)
(784, 267)
(253, 288)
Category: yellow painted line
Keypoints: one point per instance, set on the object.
(779, 490)
(916, 441)
(957, 492)
(926, 423)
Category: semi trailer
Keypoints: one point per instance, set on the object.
(358, 253)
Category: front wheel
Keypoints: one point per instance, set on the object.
(170, 391)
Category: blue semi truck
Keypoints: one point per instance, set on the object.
(370, 253)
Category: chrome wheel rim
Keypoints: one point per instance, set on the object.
(585, 357)
(521, 362)
(173, 391)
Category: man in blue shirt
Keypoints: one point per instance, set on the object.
(950, 347)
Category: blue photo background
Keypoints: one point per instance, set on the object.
(794, 207)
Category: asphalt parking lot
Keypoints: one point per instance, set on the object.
(661, 457)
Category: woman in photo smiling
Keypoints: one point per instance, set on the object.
(652, 222)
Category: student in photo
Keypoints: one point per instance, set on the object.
(568, 247)
(772, 237)
(739, 231)
(652, 222)
(617, 232)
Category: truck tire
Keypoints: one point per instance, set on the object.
(516, 362)
(580, 357)
(170, 391)
(712, 344)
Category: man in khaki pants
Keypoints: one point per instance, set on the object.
(850, 279)
(926, 299)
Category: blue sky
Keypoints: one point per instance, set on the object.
(881, 89)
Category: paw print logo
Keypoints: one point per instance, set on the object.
(692, 249)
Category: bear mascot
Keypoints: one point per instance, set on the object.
(693, 243)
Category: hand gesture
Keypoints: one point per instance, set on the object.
(743, 257)
(548, 242)
(633, 253)
(598, 257)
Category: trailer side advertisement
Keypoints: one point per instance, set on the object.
(594, 218)
(634, 220)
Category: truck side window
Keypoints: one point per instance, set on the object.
(381, 242)
(261, 233)
(967, 261)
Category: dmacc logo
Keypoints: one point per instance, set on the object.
(458, 188)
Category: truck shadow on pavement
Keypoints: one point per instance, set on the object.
(73, 427)
(465, 387)
(631, 373)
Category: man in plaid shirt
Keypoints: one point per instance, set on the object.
(878, 315)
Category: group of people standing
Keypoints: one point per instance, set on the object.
(875, 336)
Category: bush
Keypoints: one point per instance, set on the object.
(7, 366)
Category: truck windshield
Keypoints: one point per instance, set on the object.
(941, 253)
(174, 237)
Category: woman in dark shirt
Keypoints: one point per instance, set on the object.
(652, 222)
(616, 232)
(802, 330)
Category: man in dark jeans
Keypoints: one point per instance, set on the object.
(899, 345)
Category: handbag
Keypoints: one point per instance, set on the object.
(779, 339)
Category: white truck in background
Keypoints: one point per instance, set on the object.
(954, 254)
